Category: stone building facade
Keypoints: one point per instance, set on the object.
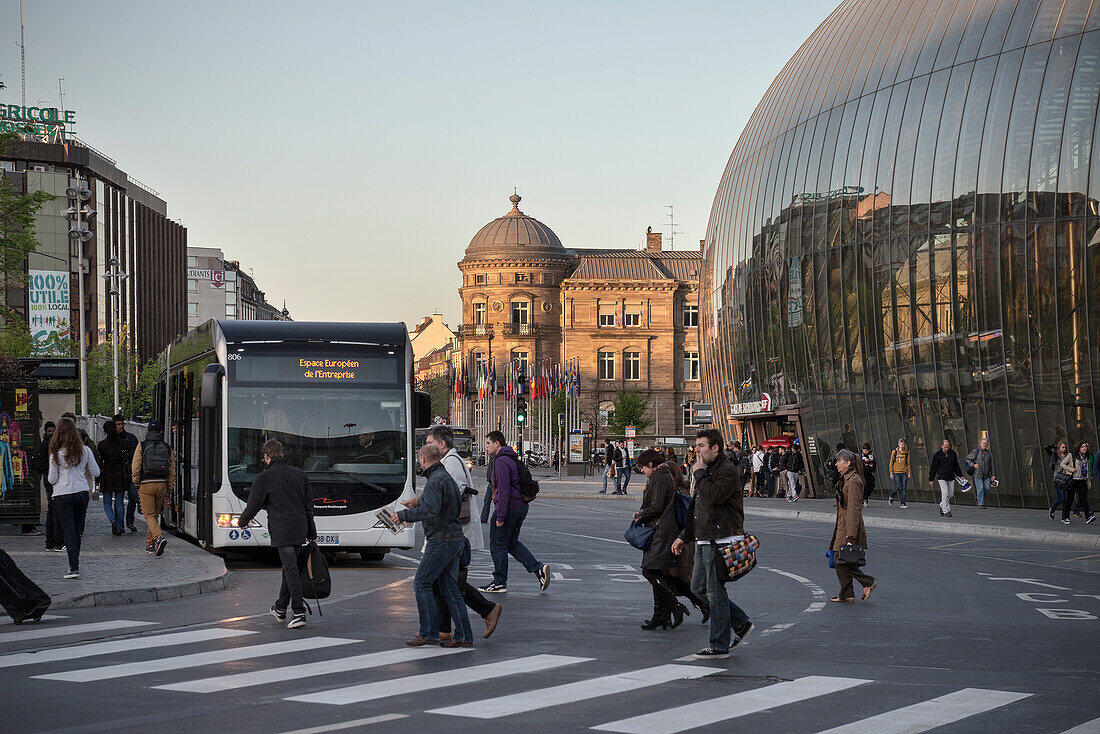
(624, 318)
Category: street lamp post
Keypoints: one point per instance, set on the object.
(79, 196)
(114, 276)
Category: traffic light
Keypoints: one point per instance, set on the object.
(521, 401)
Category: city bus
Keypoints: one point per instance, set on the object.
(337, 395)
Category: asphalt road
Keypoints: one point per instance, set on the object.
(966, 635)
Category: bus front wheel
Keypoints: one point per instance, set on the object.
(372, 555)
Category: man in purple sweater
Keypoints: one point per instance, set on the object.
(508, 518)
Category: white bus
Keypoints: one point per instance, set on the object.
(337, 395)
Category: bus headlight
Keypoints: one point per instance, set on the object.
(227, 520)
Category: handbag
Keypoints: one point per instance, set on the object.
(312, 566)
(639, 536)
(853, 555)
(682, 509)
(734, 560)
(1062, 480)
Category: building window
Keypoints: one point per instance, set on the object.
(192, 261)
(230, 276)
(521, 277)
(605, 365)
(607, 316)
(478, 358)
(689, 419)
(607, 409)
(519, 359)
(479, 278)
(230, 311)
(632, 318)
(521, 312)
(192, 309)
(479, 313)
(632, 366)
(691, 316)
(192, 285)
(691, 365)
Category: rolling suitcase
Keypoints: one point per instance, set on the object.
(20, 597)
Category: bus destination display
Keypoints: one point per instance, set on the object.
(286, 366)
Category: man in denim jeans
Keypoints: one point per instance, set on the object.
(717, 516)
(437, 508)
(511, 510)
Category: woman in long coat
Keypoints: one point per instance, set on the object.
(660, 567)
(849, 528)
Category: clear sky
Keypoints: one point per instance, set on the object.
(348, 151)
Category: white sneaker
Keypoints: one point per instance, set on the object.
(72, 575)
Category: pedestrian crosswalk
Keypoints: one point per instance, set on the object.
(435, 682)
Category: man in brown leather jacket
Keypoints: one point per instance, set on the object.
(717, 516)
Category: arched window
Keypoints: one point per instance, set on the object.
(632, 365)
(605, 365)
(607, 409)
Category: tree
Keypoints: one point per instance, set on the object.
(630, 408)
(439, 388)
(17, 236)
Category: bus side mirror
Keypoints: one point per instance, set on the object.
(422, 409)
(211, 382)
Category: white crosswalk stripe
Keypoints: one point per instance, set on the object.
(39, 632)
(724, 708)
(124, 670)
(933, 713)
(1089, 727)
(115, 646)
(309, 670)
(432, 681)
(539, 698)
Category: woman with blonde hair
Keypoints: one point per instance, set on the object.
(69, 460)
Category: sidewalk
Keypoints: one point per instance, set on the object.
(115, 570)
(1033, 526)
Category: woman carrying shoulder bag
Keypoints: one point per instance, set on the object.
(69, 459)
(660, 567)
(1078, 467)
(849, 529)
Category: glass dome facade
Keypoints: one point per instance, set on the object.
(905, 239)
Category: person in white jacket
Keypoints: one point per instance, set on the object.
(70, 461)
(443, 438)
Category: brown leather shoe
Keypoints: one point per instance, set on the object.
(455, 643)
(846, 600)
(419, 641)
(491, 620)
(446, 635)
(868, 590)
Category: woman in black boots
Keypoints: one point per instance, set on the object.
(660, 567)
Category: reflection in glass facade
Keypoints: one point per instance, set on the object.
(905, 238)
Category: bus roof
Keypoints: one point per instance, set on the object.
(384, 334)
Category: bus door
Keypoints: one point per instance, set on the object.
(209, 465)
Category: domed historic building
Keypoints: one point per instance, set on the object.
(904, 242)
(617, 319)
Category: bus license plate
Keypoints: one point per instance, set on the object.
(328, 539)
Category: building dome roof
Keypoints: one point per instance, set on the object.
(514, 235)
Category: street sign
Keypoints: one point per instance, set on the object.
(701, 414)
(630, 432)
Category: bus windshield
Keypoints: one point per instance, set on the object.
(351, 443)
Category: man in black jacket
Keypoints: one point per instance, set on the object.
(437, 509)
(717, 516)
(132, 499)
(943, 467)
(285, 493)
(55, 541)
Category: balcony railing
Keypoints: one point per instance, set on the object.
(475, 330)
(520, 330)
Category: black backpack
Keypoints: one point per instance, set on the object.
(528, 487)
(156, 458)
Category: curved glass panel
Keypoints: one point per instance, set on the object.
(906, 239)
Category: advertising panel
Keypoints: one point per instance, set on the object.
(19, 495)
(48, 310)
(576, 448)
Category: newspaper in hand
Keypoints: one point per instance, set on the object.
(384, 516)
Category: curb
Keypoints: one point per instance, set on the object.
(116, 597)
(1055, 537)
(602, 497)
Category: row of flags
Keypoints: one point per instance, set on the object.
(545, 380)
